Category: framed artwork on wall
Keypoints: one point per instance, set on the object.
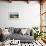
(14, 15)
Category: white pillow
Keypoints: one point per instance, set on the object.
(23, 31)
(5, 32)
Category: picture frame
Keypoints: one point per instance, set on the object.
(14, 15)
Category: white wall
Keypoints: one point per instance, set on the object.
(29, 14)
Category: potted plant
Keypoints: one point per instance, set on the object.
(37, 33)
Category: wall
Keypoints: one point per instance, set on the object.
(29, 14)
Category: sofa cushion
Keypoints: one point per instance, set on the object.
(11, 29)
(17, 30)
(0, 31)
(23, 31)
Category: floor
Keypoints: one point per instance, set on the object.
(35, 43)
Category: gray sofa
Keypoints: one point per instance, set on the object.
(17, 35)
(22, 38)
